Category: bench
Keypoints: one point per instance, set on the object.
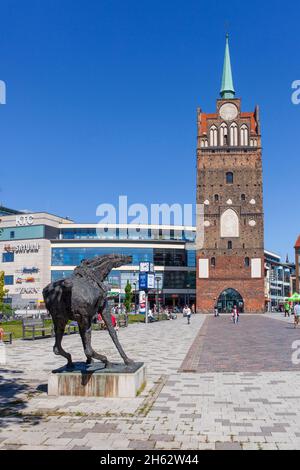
(36, 327)
(7, 334)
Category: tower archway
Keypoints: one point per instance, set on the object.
(228, 299)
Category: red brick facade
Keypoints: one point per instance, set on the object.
(233, 225)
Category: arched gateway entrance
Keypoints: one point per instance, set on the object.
(228, 299)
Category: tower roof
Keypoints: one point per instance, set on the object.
(227, 88)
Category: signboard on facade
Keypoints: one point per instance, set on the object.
(23, 220)
(22, 248)
(146, 267)
(143, 281)
(142, 301)
(146, 281)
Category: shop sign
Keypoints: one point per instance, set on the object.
(28, 290)
(23, 248)
(23, 220)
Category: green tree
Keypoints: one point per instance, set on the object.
(4, 308)
(128, 297)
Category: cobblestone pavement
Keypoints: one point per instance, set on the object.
(252, 345)
(211, 410)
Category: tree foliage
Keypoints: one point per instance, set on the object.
(128, 297)
(4, 308)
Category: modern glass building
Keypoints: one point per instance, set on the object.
(167, 247)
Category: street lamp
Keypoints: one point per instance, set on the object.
(135, 283)
(188, 294)
(158, 279)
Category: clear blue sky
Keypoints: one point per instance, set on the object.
(102, 98)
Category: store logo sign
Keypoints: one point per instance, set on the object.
(22, 220)
(23, 248)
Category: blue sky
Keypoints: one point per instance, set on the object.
(102, 98)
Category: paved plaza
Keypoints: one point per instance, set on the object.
(211, 385)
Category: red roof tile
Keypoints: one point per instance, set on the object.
(298, 243)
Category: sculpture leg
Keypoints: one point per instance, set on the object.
(85, 330)
(107, 319)
(59, 329)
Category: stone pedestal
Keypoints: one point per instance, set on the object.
(94, 380)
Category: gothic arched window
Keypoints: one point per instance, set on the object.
(213, 136)
(233, 134)
(223, 134)
(244, 135)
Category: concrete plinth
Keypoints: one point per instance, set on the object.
(94, 380)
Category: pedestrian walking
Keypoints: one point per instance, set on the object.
(188, 314)
(287, 309)
(296, 314)
(235, 314)
(216, 310)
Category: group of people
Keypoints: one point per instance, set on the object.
(289, 310)
(235, 314)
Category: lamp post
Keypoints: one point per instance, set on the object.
(158, 279)
(135, 296)
(188, 294)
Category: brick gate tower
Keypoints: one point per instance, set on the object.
(230, 265)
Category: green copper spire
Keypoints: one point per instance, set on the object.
(227, 89)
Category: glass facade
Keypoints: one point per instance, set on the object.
(22, 233)
(118, 279)
(74, 256)
(160, 256)
(129, 233)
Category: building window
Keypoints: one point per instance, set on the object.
(213, 136)
(233, 134)
(243, 197)
(8, 257)
(12, 234)
(247, 262)
(8, 280)
(229, 177)
(244, 135)
(213, 262)
(223, 134)
(229, 245)
(216, 197)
